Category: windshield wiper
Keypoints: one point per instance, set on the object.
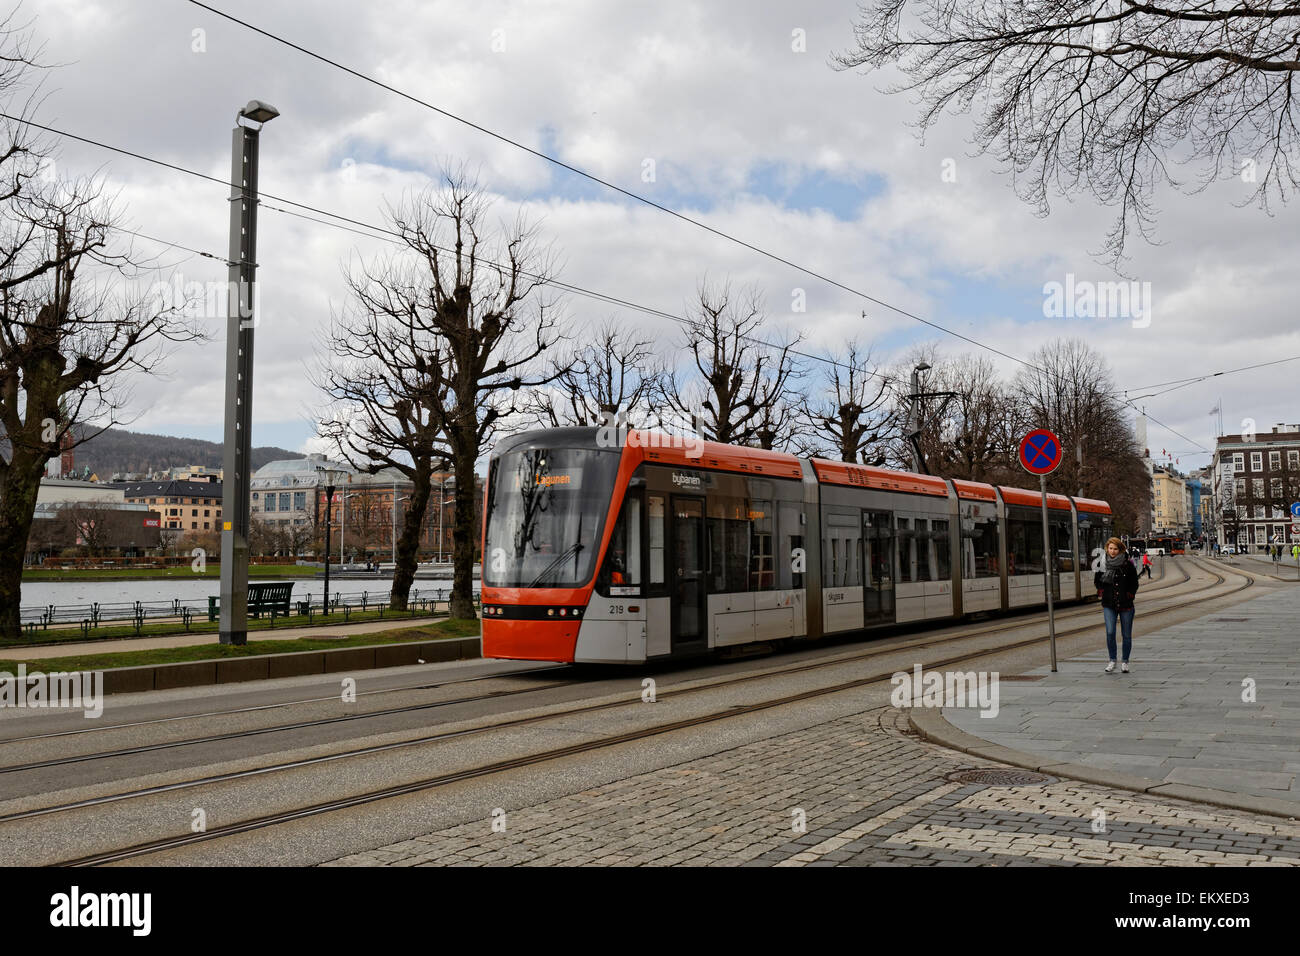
(572, 549)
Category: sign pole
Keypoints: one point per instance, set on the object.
(1048, 560)
(1040, 454)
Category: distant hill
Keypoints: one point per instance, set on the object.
(118, 450)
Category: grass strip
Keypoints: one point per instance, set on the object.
(108, 632)
(212, 571)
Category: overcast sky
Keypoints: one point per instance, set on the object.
(753, 136)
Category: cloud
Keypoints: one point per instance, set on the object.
(746, 133)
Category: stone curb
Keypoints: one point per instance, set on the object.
(930, 724)
(129, 680)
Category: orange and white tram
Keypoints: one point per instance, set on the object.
(659, 549)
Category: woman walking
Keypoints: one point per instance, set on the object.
(1117, 584)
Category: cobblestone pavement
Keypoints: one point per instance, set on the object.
(869, 793)
(1210, 703)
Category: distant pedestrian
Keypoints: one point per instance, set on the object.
(1146, 565)
(1117, 585)
(1295, 551)
(1277, 554)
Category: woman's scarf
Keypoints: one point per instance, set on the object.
(1112, 567)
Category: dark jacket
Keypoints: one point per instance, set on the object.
(1119, 593)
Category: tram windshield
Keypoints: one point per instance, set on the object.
(545, 513)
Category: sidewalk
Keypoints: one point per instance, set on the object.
(78, 648)
(1286, 569)
(1179, 717)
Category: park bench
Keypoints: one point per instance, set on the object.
(261, 598)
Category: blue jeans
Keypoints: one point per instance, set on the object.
(1126, 623)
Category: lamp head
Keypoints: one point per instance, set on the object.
(259, 112)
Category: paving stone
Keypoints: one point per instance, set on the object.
(878, 796)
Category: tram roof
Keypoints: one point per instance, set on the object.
(1092, 504)
(692, 453)
(974, 490)
(867, 476)
(1019, 496)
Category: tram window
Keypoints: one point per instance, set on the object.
(622, 570)
(728, 555)
(787, 524)
(1024, 546)
(762, 574)
(940, 547)
(908, 570)
(656, 538)
(796, 577)
(979, 542)
(1062, 551)
(923, 544)
(843, 562)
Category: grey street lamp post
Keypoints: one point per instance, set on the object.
(242, 262)
(331, 477)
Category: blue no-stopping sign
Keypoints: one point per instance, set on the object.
(1040, 452)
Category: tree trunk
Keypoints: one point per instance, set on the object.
(408, 544)
(22, 482)
(464, 533)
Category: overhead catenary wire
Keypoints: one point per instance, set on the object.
(174, 245)
(608, 185)
(395, 238)
(383, 233)
(373, 231)
(1180, 382)
(1174, 431)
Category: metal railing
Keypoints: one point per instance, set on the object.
(89, 618)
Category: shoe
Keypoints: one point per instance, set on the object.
(1124, 668)
(1110, 667)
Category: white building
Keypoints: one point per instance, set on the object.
(60, 491)
(1257, 479)
(285, 492)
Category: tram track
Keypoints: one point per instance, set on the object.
(405, 688)
(105, 728)
(876, 650)
(268, 820)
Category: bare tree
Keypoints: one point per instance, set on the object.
(618, 375)
(66, 339)
(852, 418)
(434, 351)
(972, 431)
(384, 391)
(1072, 391)
(1232, 512)
(1102, 94)
(739, 383)
(89, 525)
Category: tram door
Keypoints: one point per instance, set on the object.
(689, 606)
(878, 561)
